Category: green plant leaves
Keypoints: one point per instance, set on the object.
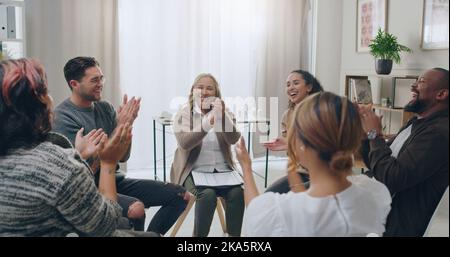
(5, 55)
(386, 46)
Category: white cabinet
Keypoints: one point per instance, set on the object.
(12, 29)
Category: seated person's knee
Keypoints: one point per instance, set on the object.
(236, 192)
(186, 196)
(136, 210)
(207, 195)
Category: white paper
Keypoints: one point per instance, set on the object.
(230, 178)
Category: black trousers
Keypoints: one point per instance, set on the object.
(282, 185)
(152, 193)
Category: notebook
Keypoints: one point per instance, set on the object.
(217, 179)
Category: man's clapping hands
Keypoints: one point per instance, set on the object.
(128, 111)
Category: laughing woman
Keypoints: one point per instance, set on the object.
(299, 85)
(205, 131)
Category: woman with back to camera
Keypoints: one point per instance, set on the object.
(46, 190)
(325, 132)
(205, 131)
(299, 85)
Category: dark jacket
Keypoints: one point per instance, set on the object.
(417, 178)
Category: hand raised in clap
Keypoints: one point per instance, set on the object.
(369, 119)
(278, 144)
(129, 110)
(89, 144)
(242, 154)
(218, 109)
(112, 150)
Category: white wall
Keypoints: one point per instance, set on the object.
(328, 45)
(336, 53)
(405, 22)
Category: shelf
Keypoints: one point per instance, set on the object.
(385, 108)
(11, 40)
(12, 3)
(394, 117)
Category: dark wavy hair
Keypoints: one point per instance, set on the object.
(310, 80)
(75, 68)
(25, 109)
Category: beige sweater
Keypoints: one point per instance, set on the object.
(286, 121)
(285, 125)
(189, 134)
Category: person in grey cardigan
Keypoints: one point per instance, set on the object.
(45, 190)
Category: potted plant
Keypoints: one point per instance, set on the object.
(385, 48)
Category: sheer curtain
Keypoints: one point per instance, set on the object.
(60, 30)
(248, 45)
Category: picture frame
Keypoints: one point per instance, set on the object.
(371, 15)
(401, 90)
(435, 24)
(361, 91)
(349, 91)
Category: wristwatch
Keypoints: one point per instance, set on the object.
(372, 134)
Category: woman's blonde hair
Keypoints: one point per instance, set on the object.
(196, 80)
(328, 123)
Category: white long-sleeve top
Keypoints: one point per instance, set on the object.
(359, 210)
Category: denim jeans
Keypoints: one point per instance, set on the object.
(153, 193)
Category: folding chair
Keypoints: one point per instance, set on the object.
(219, 208)
(438, 226)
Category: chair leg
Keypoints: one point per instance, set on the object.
(183, 215)
(220, 207)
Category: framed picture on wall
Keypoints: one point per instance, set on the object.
(435, 24)
(371, 15)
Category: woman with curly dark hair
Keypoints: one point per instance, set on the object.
(44, 189)
(299, 85)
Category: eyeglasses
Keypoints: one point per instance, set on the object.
(98, 80)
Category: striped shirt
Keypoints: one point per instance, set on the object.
(45, 191)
